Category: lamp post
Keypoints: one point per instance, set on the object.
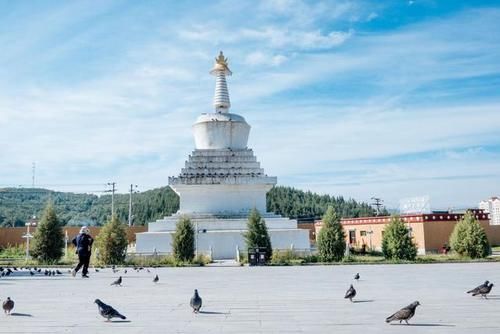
(132, 186)
(66, 239)
(28, 235)
(370, 232)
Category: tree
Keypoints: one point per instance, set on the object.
(397, 242)
(331, 237)
(48, 241)
(256, 235)
(183, 243)
(112, 242)
(469, 238)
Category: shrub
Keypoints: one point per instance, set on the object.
(285, 257)
(257, 235)
(397, 243)
(183, 242)
(48, 241)
(112, 242)
(331, 238)
(469, 239)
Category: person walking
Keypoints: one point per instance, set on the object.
(83, 243)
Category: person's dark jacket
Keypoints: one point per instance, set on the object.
(83, 243)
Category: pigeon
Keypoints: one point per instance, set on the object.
(483, 291)
(350, 293)
(406, 313)
(96, 270)
(58, 272)
(356, 277)
(479, 287)
(108, 311)
(32, 273)
(156, 279)
(196, 302)
(118, 281)
(8, 305)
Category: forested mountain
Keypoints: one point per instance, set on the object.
(17, 205)
(295, 203)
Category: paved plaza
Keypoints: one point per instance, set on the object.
(306, 299)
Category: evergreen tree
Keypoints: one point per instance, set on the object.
(469, 238)
(397, 243)
(257, 235)
(112, 242)
(331, 238)
(183, 243)
(48, 241)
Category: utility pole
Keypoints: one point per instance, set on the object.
(33, 166)
(132, 186)
(112, 191)
(377, 203)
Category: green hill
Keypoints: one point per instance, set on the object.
(17, 205)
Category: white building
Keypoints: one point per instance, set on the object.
(492, 206)
(219, 184)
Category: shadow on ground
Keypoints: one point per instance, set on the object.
(424, 325)
(20, 314)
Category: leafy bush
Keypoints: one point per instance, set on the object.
(183, 241)
(397, 243)
(285, 257)
(48, 241)
(257, 235)
(112, 242)
(13, 252)
(331, 238)
(469, 238)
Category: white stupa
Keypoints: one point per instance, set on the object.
(220, 183)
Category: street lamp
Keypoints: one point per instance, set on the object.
(370, 232)
(28, 235)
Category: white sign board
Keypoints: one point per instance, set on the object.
(415, 205)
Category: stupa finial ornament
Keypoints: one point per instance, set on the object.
(221, 65)
(220, 70)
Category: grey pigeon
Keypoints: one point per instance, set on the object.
(156, 279)
(118, 281)
(108, 311)
(350, 293)
(356, 277)
(196, 302)
(8, 305)
(483, 291)
(406, 313)
(476, 289)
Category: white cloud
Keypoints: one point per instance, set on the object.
(258, 58)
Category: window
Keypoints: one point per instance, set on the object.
(362, 233)
(352, 236)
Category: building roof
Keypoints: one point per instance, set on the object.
(412, 218)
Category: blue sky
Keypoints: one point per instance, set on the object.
(356, 98)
